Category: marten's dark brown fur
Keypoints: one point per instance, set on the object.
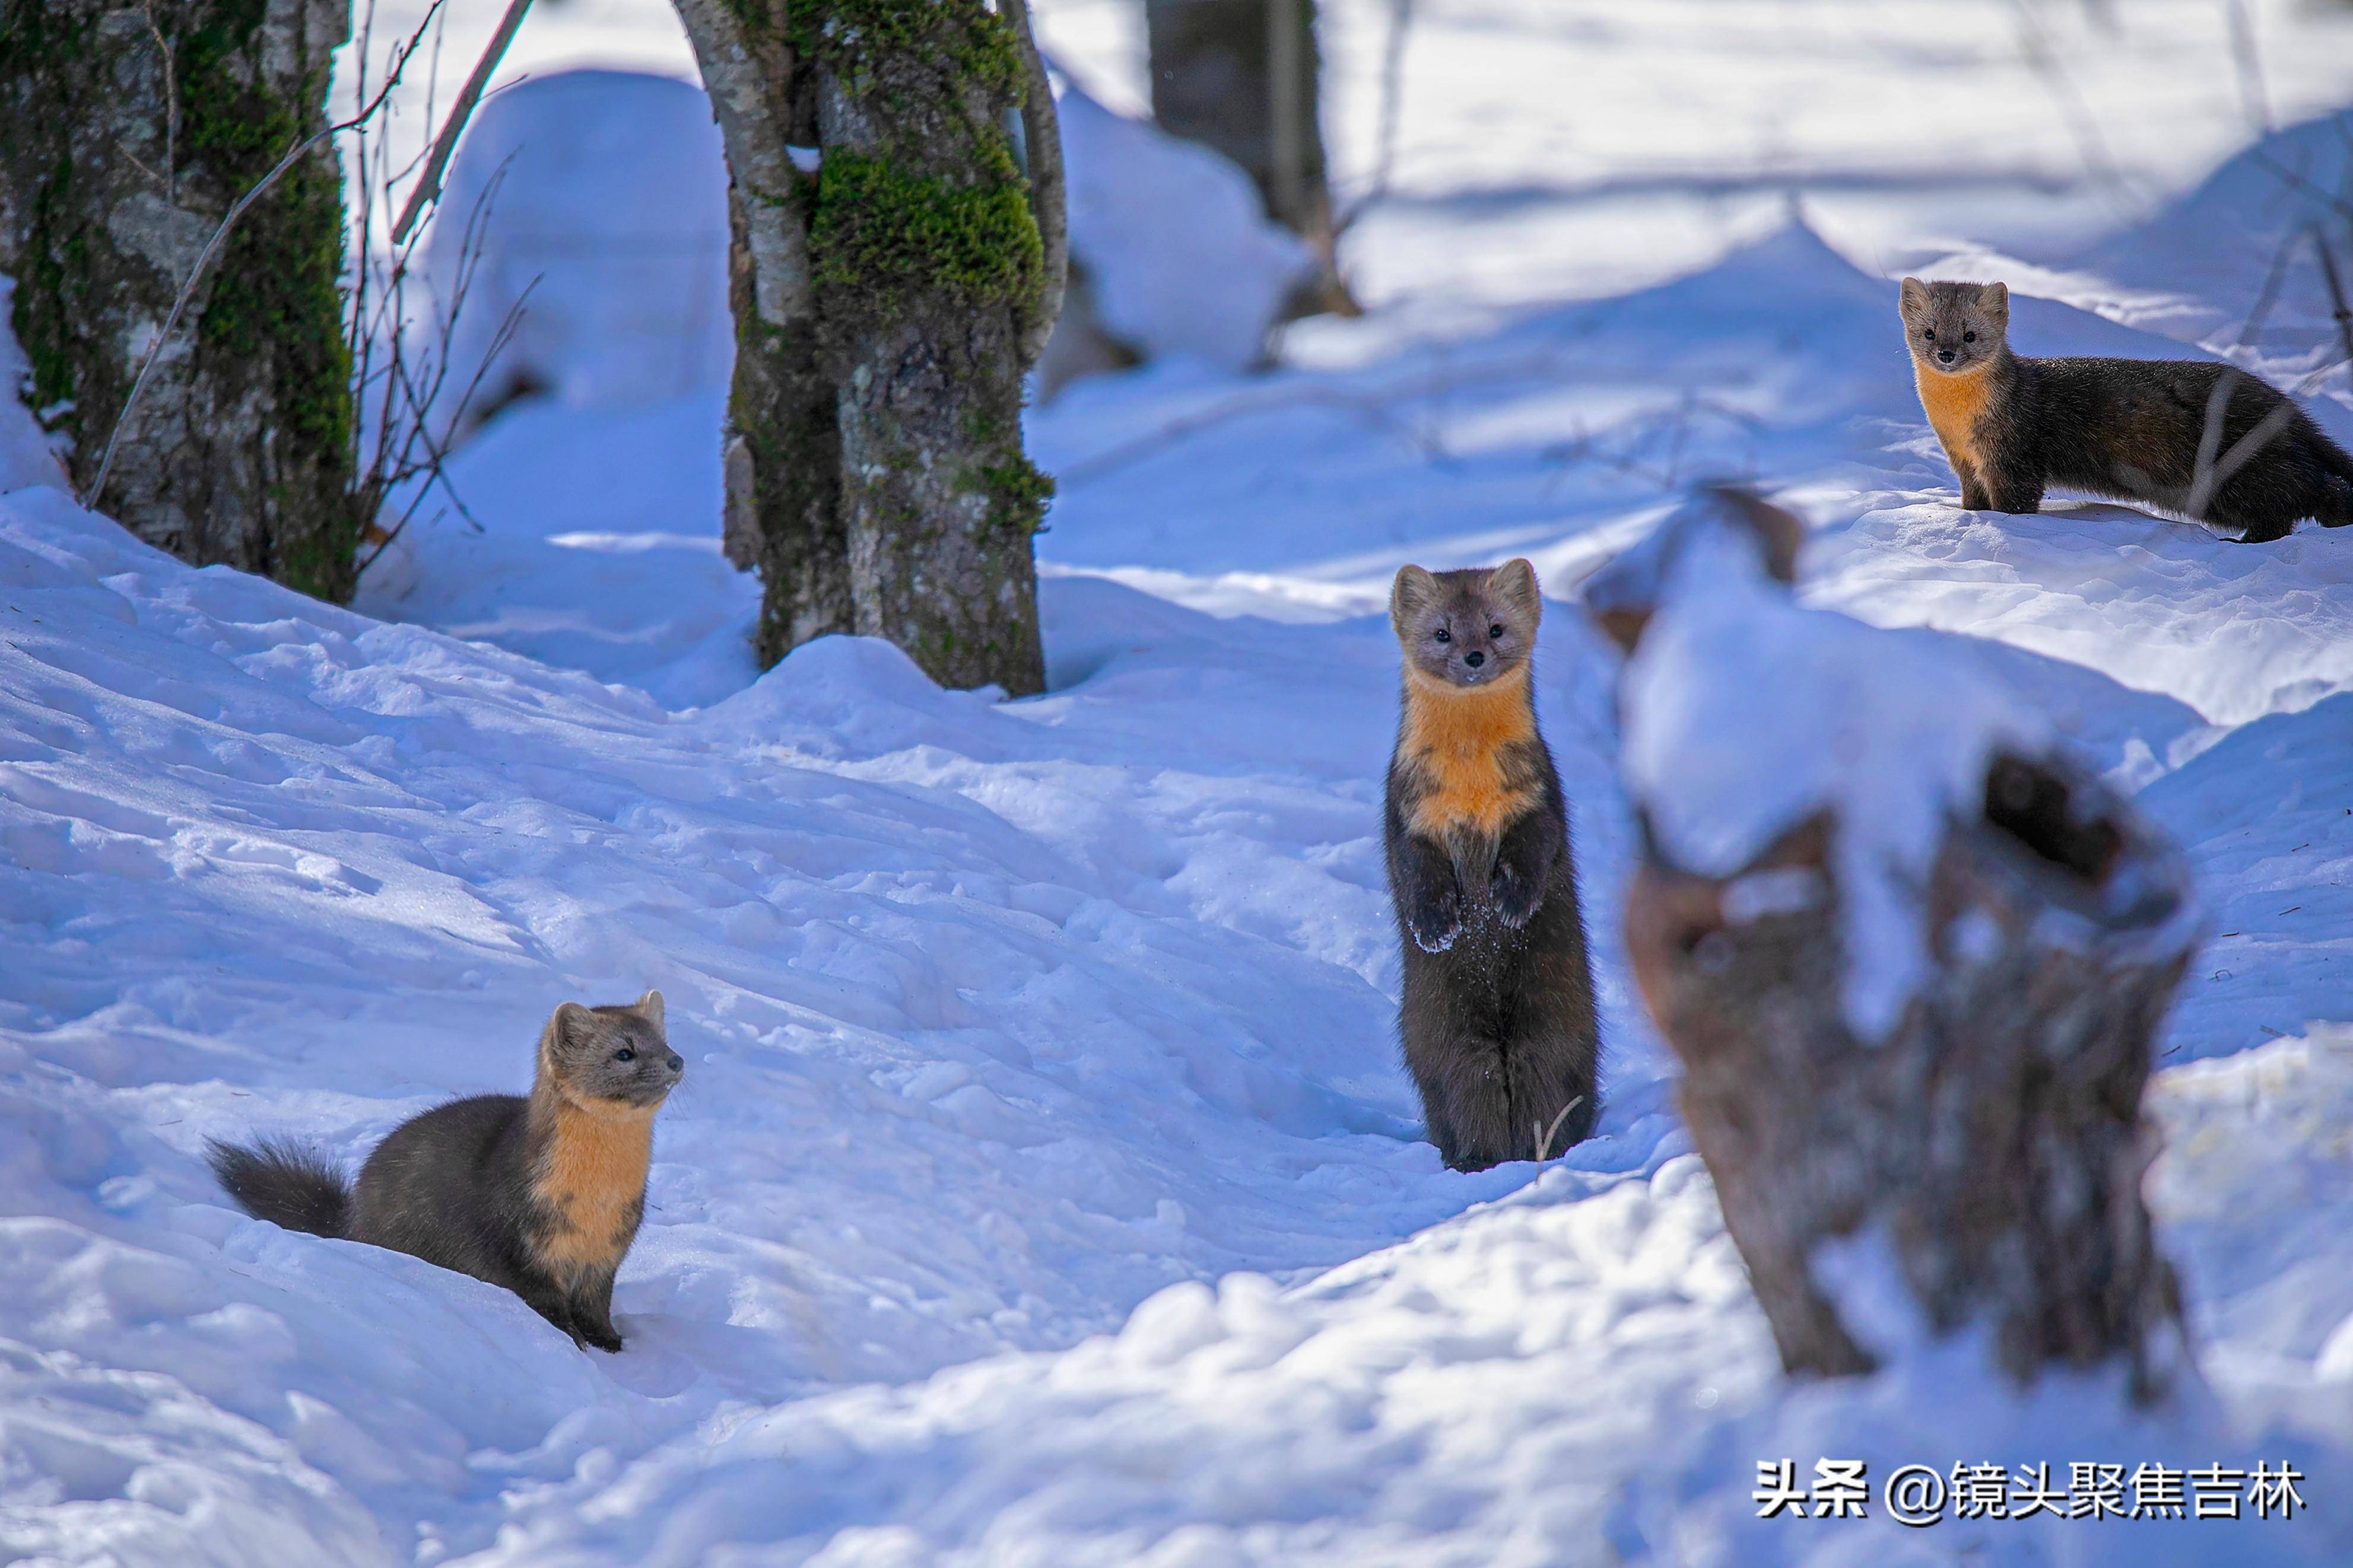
(1498, 1018)
(541, 1196)
(2137, 430)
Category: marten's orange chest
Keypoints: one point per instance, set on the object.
(1954, 404)
(591, 1185)
(1462, 747)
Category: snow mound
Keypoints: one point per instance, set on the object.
(596, 203)
(1173, 238)
(1746, 713)
(2231, 266)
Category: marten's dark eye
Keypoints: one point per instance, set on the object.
(625, 1055)
(1495, 631)
(1929, 334)
(1969, 337)
(1442, 634)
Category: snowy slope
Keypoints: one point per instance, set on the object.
(1043, 1188)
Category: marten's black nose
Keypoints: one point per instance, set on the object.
(1945, 355)
(1474, 659)
(677, 1062)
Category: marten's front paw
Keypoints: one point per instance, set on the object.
(1516, 897)
(605, 1340)
(1435, 920)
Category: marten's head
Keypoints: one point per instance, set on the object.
(1955, 327)
(1466, 628)
(617, 1054)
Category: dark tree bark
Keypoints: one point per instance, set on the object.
(887, 311)
(930, 277)
(1240, 76)
(129, 131)
(783, 445)
(1989, 1150)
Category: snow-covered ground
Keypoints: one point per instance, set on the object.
(1044, 1189)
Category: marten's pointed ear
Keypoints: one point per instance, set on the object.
(649, 1008)
(1515, 583)
(1414, 591)
(1994, 299)
(1916, 297)
(567, 1027)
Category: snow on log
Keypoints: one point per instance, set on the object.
(1911, 958)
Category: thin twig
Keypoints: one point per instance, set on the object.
(429, 188)
(211, 247)
(1545, 1134)
(1392, 102)
(2210, 474)
(2336, 289)
(170, 109)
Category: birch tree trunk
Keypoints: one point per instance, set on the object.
(782, 443)
(129, 132)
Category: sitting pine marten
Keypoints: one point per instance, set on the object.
(541, 1196)
(1498, 1018)
(2171, 433)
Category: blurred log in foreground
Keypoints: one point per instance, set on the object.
(1912, 959)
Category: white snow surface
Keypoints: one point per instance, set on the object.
(590, 206)
(1044, 1189)
(1151, 217)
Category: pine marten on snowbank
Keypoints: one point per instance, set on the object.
(2136, 430)
(539, 1195)
(1498, 1018)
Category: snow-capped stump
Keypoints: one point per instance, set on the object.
(1911, 958)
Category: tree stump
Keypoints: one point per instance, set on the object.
(1981, 1165)
(130, 132)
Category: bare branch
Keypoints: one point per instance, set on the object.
(170, 109)
(428, 186)
(1392, 102)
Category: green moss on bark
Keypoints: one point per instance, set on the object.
(882, 235)
(241, 449)
(276, 293)
(1019, 492)
(964, 35)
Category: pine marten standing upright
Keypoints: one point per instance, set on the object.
(1498, 1020)
(541, 1196)
(2161, 432)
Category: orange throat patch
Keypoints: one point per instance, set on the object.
(591, 1182)
(1953, 404)
(1455, 739)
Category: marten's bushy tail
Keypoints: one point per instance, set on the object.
(286, 1184)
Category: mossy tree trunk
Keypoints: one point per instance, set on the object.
(129, 131)
(783, 443)
(930, 273)
(885, 317)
